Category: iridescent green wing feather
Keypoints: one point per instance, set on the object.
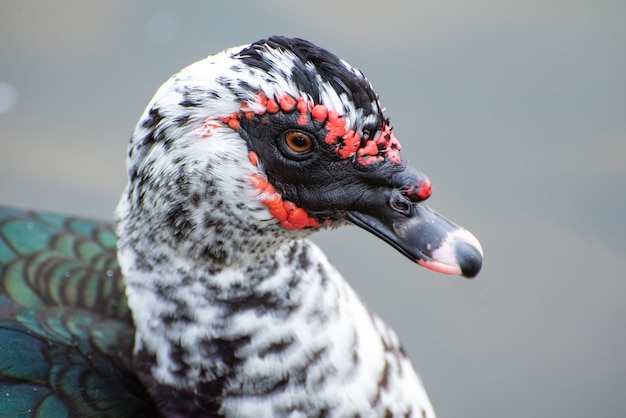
(66, 334)
(50, 260)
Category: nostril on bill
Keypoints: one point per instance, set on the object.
(400, 203)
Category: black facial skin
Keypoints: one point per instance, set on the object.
(319, 180)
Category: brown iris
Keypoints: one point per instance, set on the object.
(298, 142)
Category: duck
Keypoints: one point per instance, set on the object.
(206, 297)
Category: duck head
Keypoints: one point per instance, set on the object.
(272, 141)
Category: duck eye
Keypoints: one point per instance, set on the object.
(298, 142)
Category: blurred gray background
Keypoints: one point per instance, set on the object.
(516, 110)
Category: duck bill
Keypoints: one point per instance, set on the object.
(426, 237)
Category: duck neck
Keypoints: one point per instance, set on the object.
(191, 318)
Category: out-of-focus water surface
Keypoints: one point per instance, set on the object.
(516, 111)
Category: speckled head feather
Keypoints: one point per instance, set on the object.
(313, 70)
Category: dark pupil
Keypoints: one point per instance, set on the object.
(300, 141)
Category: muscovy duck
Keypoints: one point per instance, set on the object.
(213, 302)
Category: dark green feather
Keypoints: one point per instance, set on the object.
(66, 333)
